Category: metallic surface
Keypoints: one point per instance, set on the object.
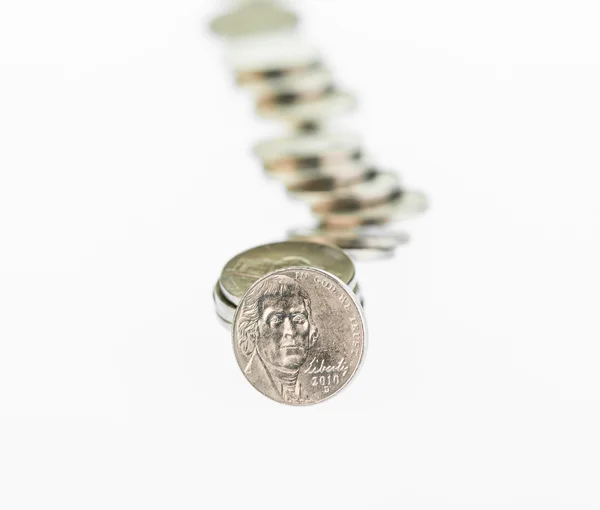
(360, 245)
(311, 151)
(256, 18)
(299, 335)
(247, 267)
(382, 187)
(312, 110)
(407, 205)
(225, 309)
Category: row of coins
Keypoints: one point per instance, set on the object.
(356, 202)
(295, 308)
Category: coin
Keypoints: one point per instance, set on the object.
(293, 88)
(382, 187)
(272, 59)
(311, 151)
(311, 110)
(405, 206)
(247, 267)
(299, 335)
(256, 18)
(321, 186)
(360, 245)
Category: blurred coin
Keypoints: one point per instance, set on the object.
(293, 88)
(247, 267)
(317, 109)
(311, 151)
(361, 245)
(320, 186)
(299, 335)
(407, 205)
(256, 18)
(272, 60)
(381, 187)
(225, 309)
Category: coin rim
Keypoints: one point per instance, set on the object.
(361, 314)
(236, 300)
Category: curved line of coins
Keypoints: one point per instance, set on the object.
(356, 203)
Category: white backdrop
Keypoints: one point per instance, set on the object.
(126, 182)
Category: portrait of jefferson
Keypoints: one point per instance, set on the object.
(276, 331)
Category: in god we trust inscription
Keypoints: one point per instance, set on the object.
(299, 335)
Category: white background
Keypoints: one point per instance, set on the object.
(126, 182)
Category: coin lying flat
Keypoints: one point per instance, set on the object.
(311, 151)
(403, 207)
(247, 267)
(382, 187)
(299, 335)
(312, 110)
(359, 244)
(256, 18)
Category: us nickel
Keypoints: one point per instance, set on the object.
(299, 335)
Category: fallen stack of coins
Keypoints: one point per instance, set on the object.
(294, 308)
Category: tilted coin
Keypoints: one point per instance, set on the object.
(322, 186)
(360, 245)
(382, 187)
(254, 18)
(272, 59)
(247, 267)
(293, 88)
(312, 151)
(347, 171)
(299, 335)
(312, 110)
(405, 206)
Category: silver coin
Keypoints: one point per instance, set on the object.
(360, 245)
(225, 309)
(403, 207)
(312, 83)
(272, 59)
(256, 18)
(354, 170)
(319, 188)
(381, 188)
(247, 267)
(311, 151)
(313, 110)
(299, 335)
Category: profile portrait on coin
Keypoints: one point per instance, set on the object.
(275, 330)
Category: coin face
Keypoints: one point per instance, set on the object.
(299, 335)
(247, 267)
